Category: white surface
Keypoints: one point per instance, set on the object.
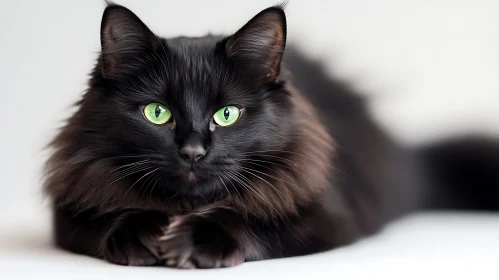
(436, 246)
(432, 68)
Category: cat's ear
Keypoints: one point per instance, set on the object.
(123, 36)
(259, 45)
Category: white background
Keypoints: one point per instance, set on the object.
(430, 69)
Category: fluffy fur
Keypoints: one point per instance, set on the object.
(302, 171)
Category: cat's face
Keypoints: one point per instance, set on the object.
(188, 113)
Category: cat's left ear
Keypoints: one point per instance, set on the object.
(257, 47)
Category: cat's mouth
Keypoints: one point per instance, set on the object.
(191, 177)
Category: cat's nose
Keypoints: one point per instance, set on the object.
(192, 152)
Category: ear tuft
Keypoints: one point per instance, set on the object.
(259, 45)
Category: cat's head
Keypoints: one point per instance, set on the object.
(183, 116)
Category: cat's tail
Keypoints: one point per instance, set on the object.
(462, 173)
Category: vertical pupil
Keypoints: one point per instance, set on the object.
(157, 111)
(226, 113)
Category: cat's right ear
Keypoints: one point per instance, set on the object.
(123, 36)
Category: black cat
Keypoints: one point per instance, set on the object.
(206, 152)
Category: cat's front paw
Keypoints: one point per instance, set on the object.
(192, 241)
(130, 251)
(133, 239)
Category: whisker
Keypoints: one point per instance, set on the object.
(228, 193)
(154, 170)
(129, 164)
(239, 194)
(249, 170)
(287, 182)
(252, 188)
(149, 179)
(277, 212)
(259, 153)
(154, 155)
(159, 177)
(249, 186)
(126, 172)
(278, 135)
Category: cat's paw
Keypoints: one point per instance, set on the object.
(129, 251)
(133, 240)
(192, 241)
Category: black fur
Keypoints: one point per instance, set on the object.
(302, 171)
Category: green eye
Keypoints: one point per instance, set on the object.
(157, 113)
(226, 116)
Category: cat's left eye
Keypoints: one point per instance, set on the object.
(157, 113)
(226, 116)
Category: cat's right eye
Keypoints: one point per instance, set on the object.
(157, 113)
